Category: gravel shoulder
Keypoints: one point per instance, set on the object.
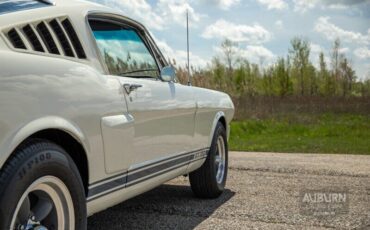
(264, 191)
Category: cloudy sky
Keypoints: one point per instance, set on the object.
(262, 28)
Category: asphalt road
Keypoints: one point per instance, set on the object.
(264, 191)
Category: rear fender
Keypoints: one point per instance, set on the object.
(50, 122)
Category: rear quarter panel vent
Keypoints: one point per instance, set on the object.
(15, 39)
(51, 37)
(54, 24)
(33, 39)
(47, 38)
(74, 38)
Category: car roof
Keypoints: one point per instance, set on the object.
(65, 3)
(75, 9)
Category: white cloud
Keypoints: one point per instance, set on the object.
(226, 4)
(338, 7)
(362, 53)
(274, 4)
(332, 32)
(258, 54)
(180, 55)
(139, 10)
(175, 11)
(255, 34)
(342, 4)
(253, 53)
(304, 5)
(223, 4)
(157, 16)
(344, 50)
(279, 24)
(195, 60)
(316, 49)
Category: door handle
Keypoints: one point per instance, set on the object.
(131, 87)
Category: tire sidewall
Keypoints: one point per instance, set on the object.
(220, 131)
(39, 160)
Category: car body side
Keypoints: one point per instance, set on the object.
(76, 97)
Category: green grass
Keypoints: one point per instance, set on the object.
(328, 133)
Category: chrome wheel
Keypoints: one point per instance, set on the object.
(46, 204)
(220, 160)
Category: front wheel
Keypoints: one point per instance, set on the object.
(40, 188)
(209, 180)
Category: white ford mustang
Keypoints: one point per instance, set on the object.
(91, 114)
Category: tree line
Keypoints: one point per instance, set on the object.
(294, 74)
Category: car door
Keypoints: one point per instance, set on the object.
(163, 113)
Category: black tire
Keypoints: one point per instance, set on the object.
(203, 181)
(33, 160)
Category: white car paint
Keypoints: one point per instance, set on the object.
(163, 126)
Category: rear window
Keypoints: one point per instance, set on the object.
(7, 6)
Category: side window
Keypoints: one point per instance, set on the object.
(124, 51)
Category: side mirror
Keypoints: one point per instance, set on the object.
(168, 74)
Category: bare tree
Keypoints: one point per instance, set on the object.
(229, 50)
(335, 62)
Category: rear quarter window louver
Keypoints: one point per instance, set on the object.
(16, 40)
(74, 38)
(62, 38)
(54, 36)
(33, 39)
(47, 38)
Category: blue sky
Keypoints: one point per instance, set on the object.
(262, 28)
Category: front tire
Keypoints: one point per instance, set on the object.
(209, 181)
(40, 187)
